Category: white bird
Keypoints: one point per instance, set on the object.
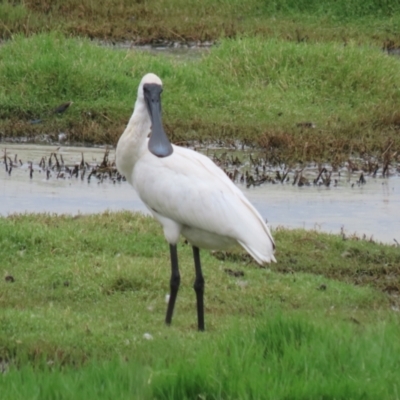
(187, 193)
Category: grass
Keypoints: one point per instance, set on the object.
(284, 357)
(86, 289)
(78, 294)
(177, 20)
(249, 89)
(278, 68)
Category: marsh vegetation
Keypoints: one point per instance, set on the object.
(190, 21)
(306, 80)
(305, 102)
(82, 299)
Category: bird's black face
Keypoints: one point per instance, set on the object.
(159, 144)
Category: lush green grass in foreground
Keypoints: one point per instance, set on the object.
(249, 89)
(86, 289)
(279, 358)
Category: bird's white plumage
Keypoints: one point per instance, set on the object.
(188, 194)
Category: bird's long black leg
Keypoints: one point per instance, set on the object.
(174, 283)
(199, 288)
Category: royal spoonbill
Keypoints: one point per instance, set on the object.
(187, 193)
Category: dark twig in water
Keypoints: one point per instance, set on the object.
(57, 162)
(319, 176)
(82, 165)
(362, 180)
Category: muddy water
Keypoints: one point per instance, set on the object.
(372, 209)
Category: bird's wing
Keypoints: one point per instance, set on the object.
(190, 189)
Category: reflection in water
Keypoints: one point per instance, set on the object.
(372, 209)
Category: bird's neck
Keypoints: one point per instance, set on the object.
(133, 142)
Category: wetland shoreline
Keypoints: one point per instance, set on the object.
(357, 198)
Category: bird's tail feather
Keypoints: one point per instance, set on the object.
(261, 258)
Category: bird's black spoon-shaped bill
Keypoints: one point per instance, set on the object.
(159, 144)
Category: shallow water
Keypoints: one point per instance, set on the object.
(184, 51)
(372, 209)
